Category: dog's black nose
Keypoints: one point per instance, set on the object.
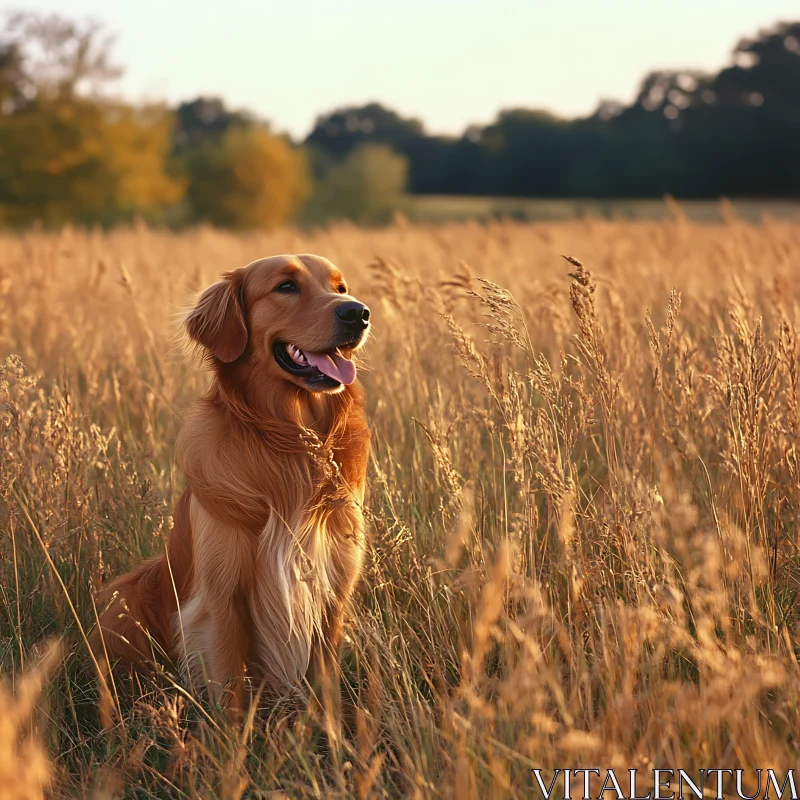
(354, 315)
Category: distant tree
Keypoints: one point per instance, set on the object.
(238, 173)
(12, 83)
(78, 160)
(528, 152)
(367, 187)
(339, 132)
(766, 70)
(57, 58)
(248, 179)
(748, 135)
(207, 119)
(445, 165)
(664, 94)
(734, 133)
(435, 163)
(66, 153)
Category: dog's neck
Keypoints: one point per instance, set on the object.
(285, 413)
(273, 452)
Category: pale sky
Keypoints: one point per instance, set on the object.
(450, 63)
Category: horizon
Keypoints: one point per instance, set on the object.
(457, 90)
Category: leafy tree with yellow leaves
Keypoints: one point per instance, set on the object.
(65, 152)
(63, 160)
(247, 178)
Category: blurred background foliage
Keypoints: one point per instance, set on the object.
(366, 185)
(245, 178)
(71, 151)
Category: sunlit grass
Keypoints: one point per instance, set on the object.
(582, 508)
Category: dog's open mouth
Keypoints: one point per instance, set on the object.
(315, 368)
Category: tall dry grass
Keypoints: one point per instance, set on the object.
(582, 512)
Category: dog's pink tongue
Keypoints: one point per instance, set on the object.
(334, 366)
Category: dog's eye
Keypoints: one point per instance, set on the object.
(342, 289)
(287, 287)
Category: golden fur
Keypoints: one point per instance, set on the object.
(268, 538)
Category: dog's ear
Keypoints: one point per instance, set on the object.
(217, 322)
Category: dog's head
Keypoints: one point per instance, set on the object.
(291, 317)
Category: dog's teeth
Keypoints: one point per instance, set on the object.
(296, 354)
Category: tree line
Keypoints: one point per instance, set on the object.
(71, 151)
(687, 133)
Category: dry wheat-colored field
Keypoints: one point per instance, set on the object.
(582, 510)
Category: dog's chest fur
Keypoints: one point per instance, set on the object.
(284, 580)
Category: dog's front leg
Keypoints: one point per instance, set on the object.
(227, 655)
(215, 618)
(347, 556)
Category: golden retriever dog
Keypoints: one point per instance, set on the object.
(268, 537)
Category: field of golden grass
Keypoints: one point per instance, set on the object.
(582, 510)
